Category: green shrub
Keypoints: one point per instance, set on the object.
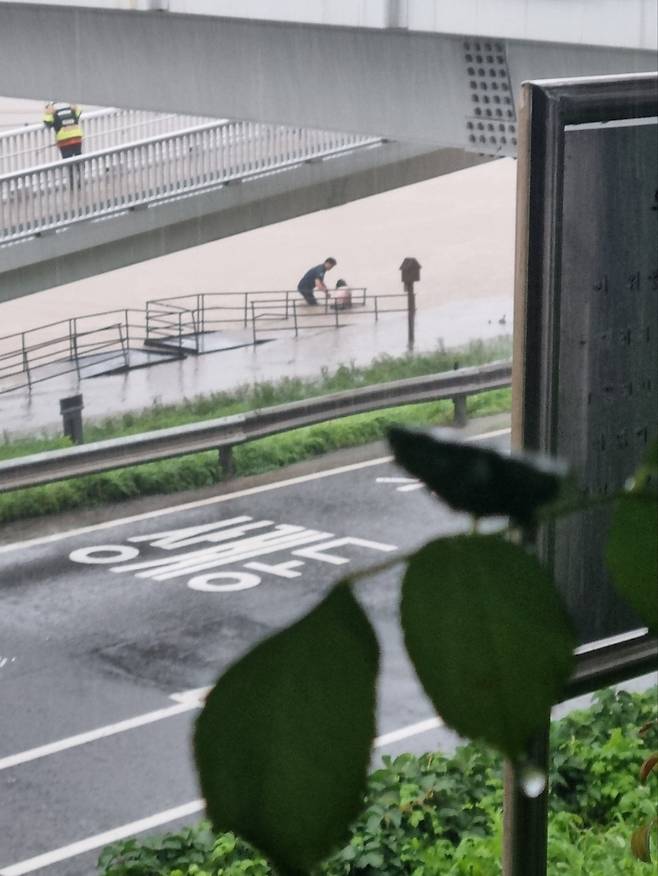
(436, 814)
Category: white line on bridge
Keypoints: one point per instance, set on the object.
(214, 500)
(134, 827)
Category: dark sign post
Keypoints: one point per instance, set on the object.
(410, 269)
(71, 410)
(585, 344)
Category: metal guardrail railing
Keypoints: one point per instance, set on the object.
(105, 183)
(31, 145)
(224, 433)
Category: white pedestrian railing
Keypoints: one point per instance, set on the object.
(112, 181)
(32, 145)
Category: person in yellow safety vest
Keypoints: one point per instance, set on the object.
(64, 119)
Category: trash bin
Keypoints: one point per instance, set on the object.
(71, 410)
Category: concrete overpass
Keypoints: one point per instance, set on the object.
(437, 78)
(411, 70)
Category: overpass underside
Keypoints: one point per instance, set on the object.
(93, 247)
(443, 101)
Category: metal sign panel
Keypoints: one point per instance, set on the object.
(586, 299)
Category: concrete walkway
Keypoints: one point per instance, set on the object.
(460, 227)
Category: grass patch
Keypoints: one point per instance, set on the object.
(256, 457)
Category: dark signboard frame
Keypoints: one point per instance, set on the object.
(548, 109)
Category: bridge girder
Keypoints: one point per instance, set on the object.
(407, 86)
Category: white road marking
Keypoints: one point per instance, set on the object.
(407, 484)
(214, 500)
(102, 839)
(185, 703)
(134, 827)
(407, 732)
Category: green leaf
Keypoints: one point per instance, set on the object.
(632, 555)
(283, 743)
(476, 479)
(488, 635)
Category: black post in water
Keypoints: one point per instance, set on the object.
(410, 269)
(71, 410)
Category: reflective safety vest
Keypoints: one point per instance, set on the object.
(64, 120)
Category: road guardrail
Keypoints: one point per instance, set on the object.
(224, 433)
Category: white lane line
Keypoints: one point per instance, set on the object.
(214, 500)
(160, 818)
(184, 704)
(102, 839)
(406, 732)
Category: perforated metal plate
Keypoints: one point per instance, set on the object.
(491, 122)
(586, 322)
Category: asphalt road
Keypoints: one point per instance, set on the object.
(107, 632)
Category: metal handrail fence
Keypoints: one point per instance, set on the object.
(34, 144)
(290, 315)
(174, 325)
(106, 183)
(71, 345)
(279, 311)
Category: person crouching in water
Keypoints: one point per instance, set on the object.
(313, 280)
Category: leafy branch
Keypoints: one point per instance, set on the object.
(284, 741)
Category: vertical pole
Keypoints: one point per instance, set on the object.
(411, 315)
(124, 347)
(336, 312)
(180, 330)
(525, 826)
(74, 336)
(460, 415)
(253, 322)
(226, 461)
(125, 316)
(294, 313)
(246, 305)
(376, 309)
(26, 362)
